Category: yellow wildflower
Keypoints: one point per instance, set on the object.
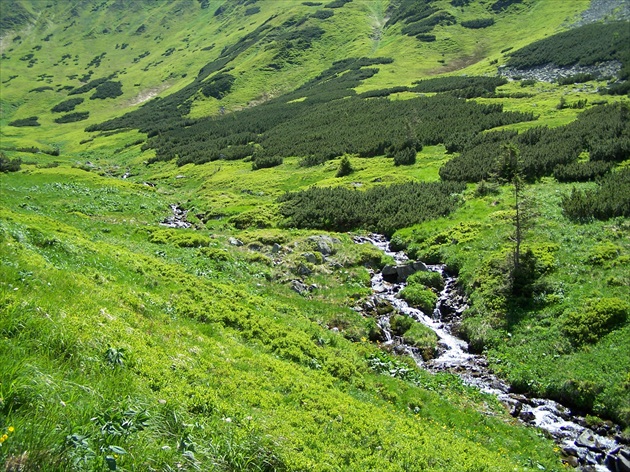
(4, 437)
(11, 429)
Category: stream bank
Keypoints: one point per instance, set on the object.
(582, 447)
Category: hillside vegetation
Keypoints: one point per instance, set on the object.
(180, 183)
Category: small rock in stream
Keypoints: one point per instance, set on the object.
(587, 439)
(527, 416)
(571, 461)
(515, 410)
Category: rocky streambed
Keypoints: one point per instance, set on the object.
(582, 447)
(177, 219)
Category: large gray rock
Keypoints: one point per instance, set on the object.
(312, 258)
(299, 287)
(323, 244)
(400, 273)
(587, 439)
(623, 461)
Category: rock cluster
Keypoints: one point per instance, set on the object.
(551, 73)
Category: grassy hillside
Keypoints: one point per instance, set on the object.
(232, 344)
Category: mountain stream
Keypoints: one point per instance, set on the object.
(590, 450)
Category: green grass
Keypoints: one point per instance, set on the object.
(126, 342)
(153, 354)
(526, 342)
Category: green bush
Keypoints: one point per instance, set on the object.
(422, 337)
(420, 296)
(595, 319)
(9, 165)
(478, 23)
(611, 198)
(405, 157)
(215, 254)
(603, 252)
(179, 238)
(67, 105)
(265, 162)
(218, 86)
(400, 324)
(72, 117)
(30, 121)
(322, 14)
(428, 278)
(108, 89)
(252, 219)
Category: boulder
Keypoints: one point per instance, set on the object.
(623, 461)
(587, 439)
(571, 461)
(527, 416)
(400, 273)
(312, 258)
(235, 242)
(323, 244)
(303, 270)
(275, 249)
(299, 287)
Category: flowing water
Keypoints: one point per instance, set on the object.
(582, 447)
(177, 219)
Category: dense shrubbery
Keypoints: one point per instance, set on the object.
(586, 45)
(604, 131)
(252, 11)
(67, 105)
(265, 162)
(405, 157)
(478, 23)
(337, 3)
(383, 92)
(611, 198)
(575, 79)
(383, 209)
(218, 86)
(30, 121)
(322, 14)
(463, 87)
(345, 167)
(595, 319)
(581, 171)
(108, 89)
(72, 117)
(501, 5)
(41, 89)
(9, 165)
(312, 127)
(89, 86)
(425, 25)
(618, 88)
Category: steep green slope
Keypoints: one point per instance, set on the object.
(149, 348)
(155, 49)
(132, 346)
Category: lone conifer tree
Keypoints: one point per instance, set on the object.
(345, 168)
(510, 171)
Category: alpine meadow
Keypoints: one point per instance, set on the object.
(285, 235)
